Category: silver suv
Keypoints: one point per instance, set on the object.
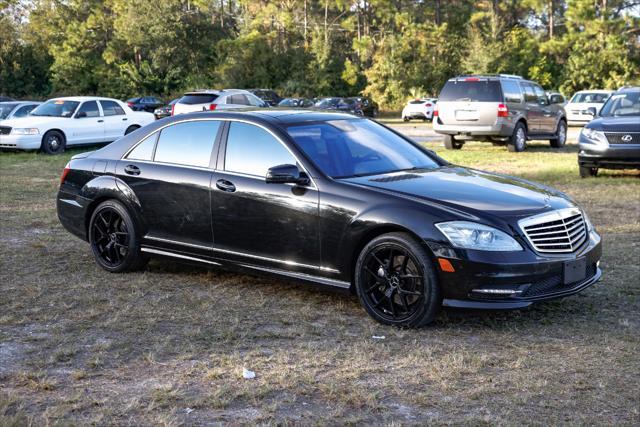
(209, 100)
(503, 109)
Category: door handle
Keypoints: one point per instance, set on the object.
(132, 170)
(100, 121)
(225, 185)
(124, 120)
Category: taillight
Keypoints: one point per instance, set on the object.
(212, 107)
(65, 172)
(503, 111)
(472, 79)
(435, 111)
(129, 104)
(173, 109)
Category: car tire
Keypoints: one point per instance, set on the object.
(53, 142)
(518, 141)
(114, 238)
(450, 143)
(588, 172)
(405, 119)
(396, 282)
(131, 129)
(561, 135)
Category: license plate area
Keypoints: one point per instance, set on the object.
(574, 271)
(467, 115)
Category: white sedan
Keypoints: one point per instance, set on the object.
(63, 122)
(581, 106)
(419, 109)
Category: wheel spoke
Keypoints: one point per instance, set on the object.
(405, 292)
(390, 260)
(409, 276)
(368, 270)
(375, 285)
(377, 259)
(393, 306)
(403, 298)
(403, 267)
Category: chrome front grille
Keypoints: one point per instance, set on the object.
(560, 231)
(5, 130)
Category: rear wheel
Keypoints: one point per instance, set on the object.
(561, 135)
(450, 143)
(131, 129)
(518, 141)
(114, 238)
(53, 142)
(587, 172)
(395, 281)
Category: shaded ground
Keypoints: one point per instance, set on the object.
(167, 345)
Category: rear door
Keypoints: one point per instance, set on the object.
(470, 101)
(547, 113)
(170, 174)
(115, 120)
(532, 108)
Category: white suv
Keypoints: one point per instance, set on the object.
(210, 100)
(419, 109)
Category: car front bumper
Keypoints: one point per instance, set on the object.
(618, 156)
(493, 280)
(20, 142)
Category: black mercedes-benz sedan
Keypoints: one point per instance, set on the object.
(612, 139)
(330, 199)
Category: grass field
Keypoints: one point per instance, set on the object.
(166, 346)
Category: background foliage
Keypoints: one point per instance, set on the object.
(388, 49)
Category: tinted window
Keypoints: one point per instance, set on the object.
(343, 148)
(253, 150)
(511, 91)
(200, 98)
(417, 101)
(111, 108)
(24, 110)
(144, 150)
(541, 95)
(529, 94)
(238, 99)
(188, 143)
(254, 101)
(56, 108)
(471, 90)
(90, 108)
(622, 104)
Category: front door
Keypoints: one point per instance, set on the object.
(547, 115)
(273, 225)
(88, 125)
(169, 173)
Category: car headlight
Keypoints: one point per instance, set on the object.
(587, 221)
(470, 235)
(25, 131)
(594, 136)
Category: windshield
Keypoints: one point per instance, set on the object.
(625, 104)
(471, 91)
(592, 98)
(5, 109)
(56, 108)
(348, 148)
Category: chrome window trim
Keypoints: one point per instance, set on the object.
(171, 254)
(263, 258)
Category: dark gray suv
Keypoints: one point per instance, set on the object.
(502, 109)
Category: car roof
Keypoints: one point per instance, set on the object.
(596, 91)
(628, 89)
(216, 91)
(82, 98)
(21, 102)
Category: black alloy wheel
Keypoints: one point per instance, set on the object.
(395, 281)
(113, 238)
(53, 142)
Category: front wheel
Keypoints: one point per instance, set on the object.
(588, 172)
(53, 142)
(405, 119)
(114, 238)
(450, 143)
(518, 141)
(561, 135)
(396, 283)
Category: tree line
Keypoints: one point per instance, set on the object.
(389, 50)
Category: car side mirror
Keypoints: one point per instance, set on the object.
(591, 111)
(81, 115)
(286, 174)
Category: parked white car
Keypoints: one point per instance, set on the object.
(63, 122)
(419, 109)
(209, 100)
(16, 109)
(577, 109)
